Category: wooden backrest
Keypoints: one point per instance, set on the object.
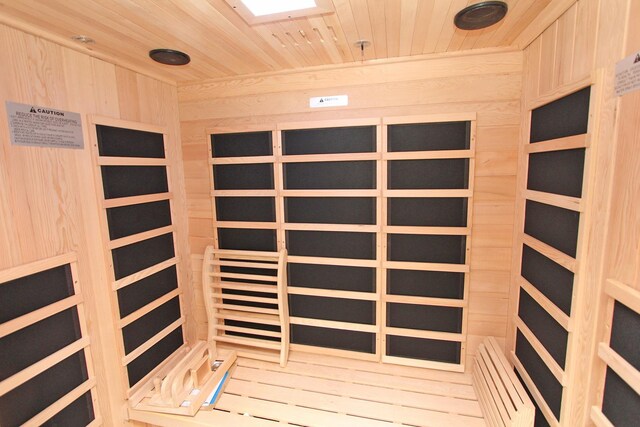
(233, 282)
(503, 400)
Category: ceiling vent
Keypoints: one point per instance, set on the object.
(481, 15)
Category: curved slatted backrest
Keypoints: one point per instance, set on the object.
(245, 300)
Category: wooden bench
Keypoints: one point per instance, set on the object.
(502, 397)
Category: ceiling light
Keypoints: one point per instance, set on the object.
(480, 15)
(262, 7)
(169, 56)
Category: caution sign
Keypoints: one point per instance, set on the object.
(628, 74)
(37, 126)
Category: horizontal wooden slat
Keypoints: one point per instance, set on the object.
(148, 308)
(257, 277)
(242, 308)
(623, 293)
(550, 252)
(35, 267)
(251, 342)
(244, 264)
(251, 255)
(336, 157)
(428, 193)
(246, 298)
(332, 293)
(417, 333)
(40, 314)
(623, 368)
(330, 193)
(132, 161)
(243, 193)
(332, 324)
(424, 364)
(430, 118)
(354, 228)
(254, 331)
(425, 266)
(439, 302)
(60, 404)
(266, 319)
(441, 231)
(599, 419)
(26, 374)
(246, 224)
(202, 419)
(349, 262)
(135, 200)
(565, 143)
(142, 274)
(426, 155)
(572, 203)
(541, 350)
(241, 160)
(252, 287)
(135, 238)
(133, 355)
(553, 310)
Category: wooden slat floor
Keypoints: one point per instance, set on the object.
(314, 390)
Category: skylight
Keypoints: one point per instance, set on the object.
(270, 7)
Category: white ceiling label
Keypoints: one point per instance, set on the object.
(628, 74)
(37, 126)
(329, 101)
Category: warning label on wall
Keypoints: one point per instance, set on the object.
(43, 127)
(628, 74)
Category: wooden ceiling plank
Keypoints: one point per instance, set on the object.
(266, 33)
(360, 11)
(540, 21)
(293, 44)
(449, 29)
(421, 26)
(313, 41)
(436, 25)
(378, 27)
(516, 16)
(459, 36)
(392, 23)
(347, 22)
(408, 11)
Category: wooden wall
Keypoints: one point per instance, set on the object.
(580, 48)
(48, 203)
(488, 83)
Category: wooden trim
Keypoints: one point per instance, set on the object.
(42, 365)
(136, 200)
(559, 144)
(243, 193)
(624, 369)
(330, 193)
(428, 301)
(142, 274)
(145, 235)
(132, 161)
(245, 298)
(558, 315)
(537, 396)
(624, 294)
(335, 157)
(333, 324)
(426, 266)
(560, 92)
(372, 357)
(351, 228)
(36, 267)
(575, 204)
(348, 262)
(426, 364)
(599, 419)
(541, 350)
(327, 124)
(332, 293)
(550, 252)
(246, 224)
(130, 357)
(249, 160)
(424, 334)
(125, 321)
(244, 264)
(252, 331)
(468, 193)
(60, 404)
(258, 277)
(127, 124)
(37, 315)
(426, 230)
(428, 155)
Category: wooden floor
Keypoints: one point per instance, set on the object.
(315, 390)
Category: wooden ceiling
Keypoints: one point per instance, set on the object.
(222, 44)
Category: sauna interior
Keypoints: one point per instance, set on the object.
(366, 215)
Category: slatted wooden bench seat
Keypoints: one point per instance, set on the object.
(503, 400)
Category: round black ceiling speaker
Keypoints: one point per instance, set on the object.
(169, 56)
(480, 15)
